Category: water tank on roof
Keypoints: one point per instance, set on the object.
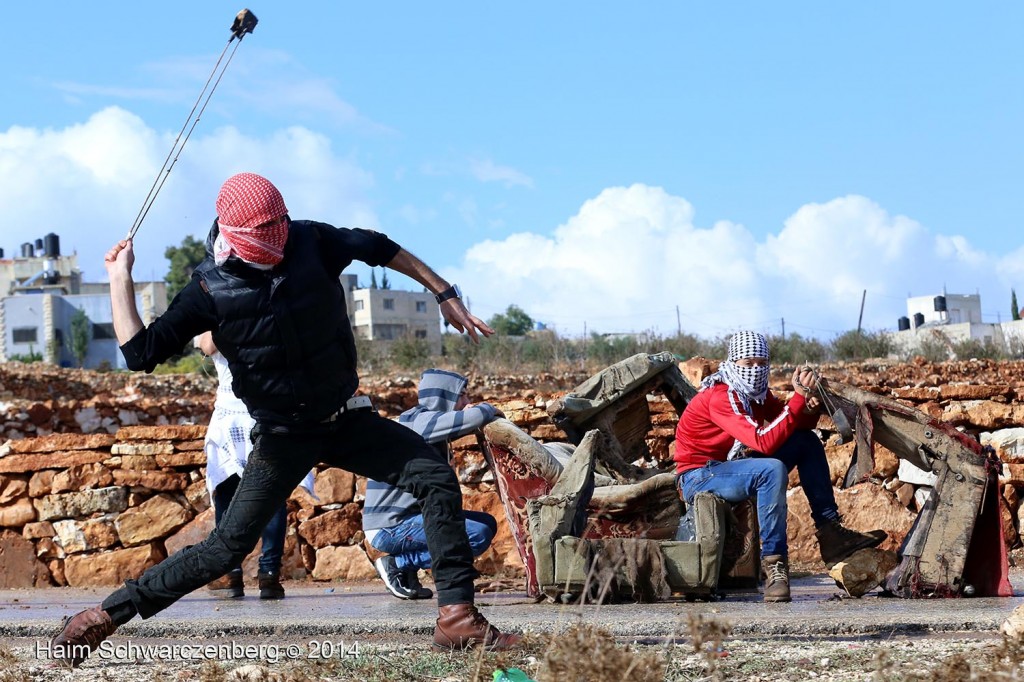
(903, 323)
(39, 245)
(940, 304)
(27, 250)
(1, 253)
(918, 320)
(51, 243)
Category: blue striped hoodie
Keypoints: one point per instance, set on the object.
(436, 419)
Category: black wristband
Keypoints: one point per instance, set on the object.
(450, 292)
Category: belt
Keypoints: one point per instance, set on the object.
(353, 404)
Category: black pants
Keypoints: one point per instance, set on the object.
(361, 442)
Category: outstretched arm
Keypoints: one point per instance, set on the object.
(453, 309)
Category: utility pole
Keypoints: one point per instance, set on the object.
(783, 329)
(860, 318)
(679, 324)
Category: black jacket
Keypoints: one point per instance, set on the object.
(285, 332)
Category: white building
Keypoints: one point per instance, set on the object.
(389, 314)
(948, 319)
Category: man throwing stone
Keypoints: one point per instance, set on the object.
(272, 298)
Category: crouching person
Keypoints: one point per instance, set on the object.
(393, 519)
(735, 413)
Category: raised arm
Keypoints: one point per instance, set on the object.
(453, 309)
(119, 261)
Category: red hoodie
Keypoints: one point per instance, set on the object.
(715, 419)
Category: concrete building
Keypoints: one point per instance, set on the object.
(40, 292)
(948, 319)
(387, 315)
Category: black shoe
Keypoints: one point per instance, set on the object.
(393, 577)
(270, 585)
(411, 579)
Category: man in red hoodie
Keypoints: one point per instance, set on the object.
(736, 440)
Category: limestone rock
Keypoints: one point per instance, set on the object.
(141, 448)
(85, 503)
(151, 480)
(49, 460)
(11, 489)
(192, 533)
(198, 496)
(166, 432)
(56, 567)
(81, 477)
(1013, 626)
(38, 529)
(336, 527)
(695, 369)
(1008, 443)
(18, 513)
(19, 566)
(348, 562)
(41, 483)
(154, 518)
(110, 569)
(63, 441)
(909, 473)
(137, 462)
(334, 486)
(190, 445)
(188, 458)
(864, 570)
(83, 536)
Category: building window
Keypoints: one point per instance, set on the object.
(26, 335)
(359, 305)
(103, 331)
(421, 333)
(421, 306)
(389, 304)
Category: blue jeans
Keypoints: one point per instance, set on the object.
(273, 533)
(767, 477)
(407, 541)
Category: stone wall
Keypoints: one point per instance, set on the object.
(91, 500)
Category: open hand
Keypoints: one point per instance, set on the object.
(457, 315)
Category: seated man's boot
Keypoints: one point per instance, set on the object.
(461, 626)
(837, 542)
(80, 635)
(270, 585)
(776, 582)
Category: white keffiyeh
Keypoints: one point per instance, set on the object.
(749, 383)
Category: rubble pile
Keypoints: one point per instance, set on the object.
(103, 474)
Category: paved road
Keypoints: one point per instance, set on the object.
(349, 609)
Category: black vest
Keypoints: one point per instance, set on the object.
(285, 333)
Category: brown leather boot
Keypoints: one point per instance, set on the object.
(270, 585)
(837, 542)
(461, 626)
(80, 635)
(776, 582)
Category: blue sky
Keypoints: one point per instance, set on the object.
(595, 163)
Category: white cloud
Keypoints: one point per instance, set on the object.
(86, 183)
(486, 170)
(632, 254)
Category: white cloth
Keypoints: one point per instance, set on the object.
(227, 438)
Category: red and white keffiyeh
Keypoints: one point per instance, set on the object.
(252, 218)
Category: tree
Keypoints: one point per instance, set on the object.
(1014, 310)
(81, 335)
(385, 283)
(184, 260)
(514, 322)
(373, 278)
